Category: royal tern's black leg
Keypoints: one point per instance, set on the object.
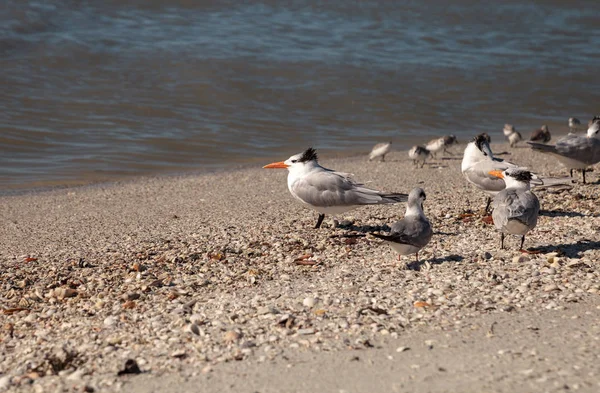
(320, 221)
(487, 206)
(583, 171)
(502, 240)
(571, 172)
(522, 241)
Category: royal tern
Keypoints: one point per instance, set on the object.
(574, 124)
(516, 208)
(380, 150)
(478, 161)
(419, 153)
(327, 191)
(413, 232)
(541, 135)
(576, 151)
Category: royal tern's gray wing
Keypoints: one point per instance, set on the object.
(575, 147)
(479, 175)
(328, 188)
(414, 231)
(581, 148)
(512, 204)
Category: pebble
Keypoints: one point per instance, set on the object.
(521, 259)
(575, 263)
(231, 336)
(193, 328)
(180, 353)
(5, 382)
(77, 375)
(551, 288)
(110, 321)
(305, 332)
(309, 302)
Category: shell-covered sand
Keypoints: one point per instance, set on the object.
(181, 274)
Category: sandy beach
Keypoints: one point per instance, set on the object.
(218, 282)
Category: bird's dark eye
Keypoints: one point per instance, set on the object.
(294, 161)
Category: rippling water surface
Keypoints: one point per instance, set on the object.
(95, 91)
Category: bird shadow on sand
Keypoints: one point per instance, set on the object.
(364, 229)
(563, 213)
(435, 261)
(570, 250)
(449, 158)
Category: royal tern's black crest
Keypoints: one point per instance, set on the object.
(520, 174)
(482, 140)
(309, 154)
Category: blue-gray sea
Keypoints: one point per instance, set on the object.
(100, 90)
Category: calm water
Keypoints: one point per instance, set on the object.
(97, 90)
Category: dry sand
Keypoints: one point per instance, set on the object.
(196, 279)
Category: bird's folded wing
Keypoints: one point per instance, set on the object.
(479, 175)
(415, 232)
(511, 204)
(328, 188)
(580, 148)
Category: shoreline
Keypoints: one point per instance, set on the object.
(188, 273)
(257, 162)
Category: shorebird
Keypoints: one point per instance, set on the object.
(576, 151)
(541, 135)
(435, 146)
(413, 232)
(419, 153)
(514, 138)
(508, 129)
(574, 124)
(327, 191)
(380, 150)
(516, 208)
(449, 140)
(440, 144)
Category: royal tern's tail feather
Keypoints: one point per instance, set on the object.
(396, 237)
(554, 183)
(542, 148)
(393, 198)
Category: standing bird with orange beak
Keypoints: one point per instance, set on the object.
(516, 208)
(327, 191)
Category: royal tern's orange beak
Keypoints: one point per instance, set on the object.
(497, 174)
(279, 164)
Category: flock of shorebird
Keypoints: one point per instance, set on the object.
(515, 208)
